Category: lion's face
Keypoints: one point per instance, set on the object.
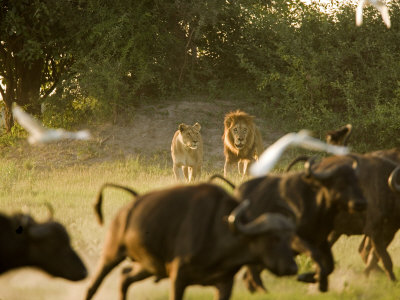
(190, 135)
(239, 132)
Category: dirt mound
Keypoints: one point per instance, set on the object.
(148, 132)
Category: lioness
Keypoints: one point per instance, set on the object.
(242, 141)
(187, 152)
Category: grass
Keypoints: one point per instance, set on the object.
(71, 191)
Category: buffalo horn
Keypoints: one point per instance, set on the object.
(329, 173)
(356, 162)
(393, 179)
(262, 224)
(267, 222)
(320, 175)
(233, 219)
(50, 208)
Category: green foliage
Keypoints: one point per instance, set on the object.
(306, 67)
(322, 71)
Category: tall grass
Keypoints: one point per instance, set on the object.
(71, 191)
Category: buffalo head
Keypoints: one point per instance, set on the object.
(339, 183)
(269, 236)
(49, 249)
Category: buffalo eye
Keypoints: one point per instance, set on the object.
(19, 230)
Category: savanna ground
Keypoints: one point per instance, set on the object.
(136, 152)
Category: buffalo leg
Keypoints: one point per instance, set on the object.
(178, 283)
(327, 266)
(368, 255)
(101, 274)
(380, 246)
(333, 237)
(252, 279)
(130, 276)
(224, 289)
(324, 261)
(371, 261)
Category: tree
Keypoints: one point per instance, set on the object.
(33, 51)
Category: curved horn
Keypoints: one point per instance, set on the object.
(356, 162)
(267, 222)
(295, 161)
(233, 219)
(328, 173)
(393, 179)
(222, 178)
(320, 175)
(50, 208)
(262, 224)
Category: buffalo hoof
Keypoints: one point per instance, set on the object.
(323, 285)
(307, 277)
(252, 284)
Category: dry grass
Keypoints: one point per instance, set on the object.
(69, 174)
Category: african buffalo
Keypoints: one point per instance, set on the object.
(369, 256)
(312, 199)
(381, 220)
(25, 242)
(193, 234)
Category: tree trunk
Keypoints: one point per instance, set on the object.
(8, 117)
(8, 101)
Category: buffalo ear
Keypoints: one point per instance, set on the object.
(182, 127)
(197, 127)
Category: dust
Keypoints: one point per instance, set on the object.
(339, 280)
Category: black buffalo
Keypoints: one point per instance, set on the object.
(197, 234)
(312, 199)
(25, 242)
(378, 181)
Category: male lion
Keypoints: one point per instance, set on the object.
(187, 152)
(242, 141)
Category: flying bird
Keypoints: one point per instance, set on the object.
(40, 134)
(379, 5)
(271, 155)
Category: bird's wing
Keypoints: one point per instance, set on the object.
(383, 9)
(78, 135)
(311, 143)
(28, 122)
(83, 135)
(271, 155)
(359, 12)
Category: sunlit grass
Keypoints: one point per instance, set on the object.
(72, 191)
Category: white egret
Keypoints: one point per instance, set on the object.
(379, 5)
(40, 134)
(271, 155)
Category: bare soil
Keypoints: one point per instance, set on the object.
(147, 132)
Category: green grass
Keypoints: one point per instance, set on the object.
(72, 190)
